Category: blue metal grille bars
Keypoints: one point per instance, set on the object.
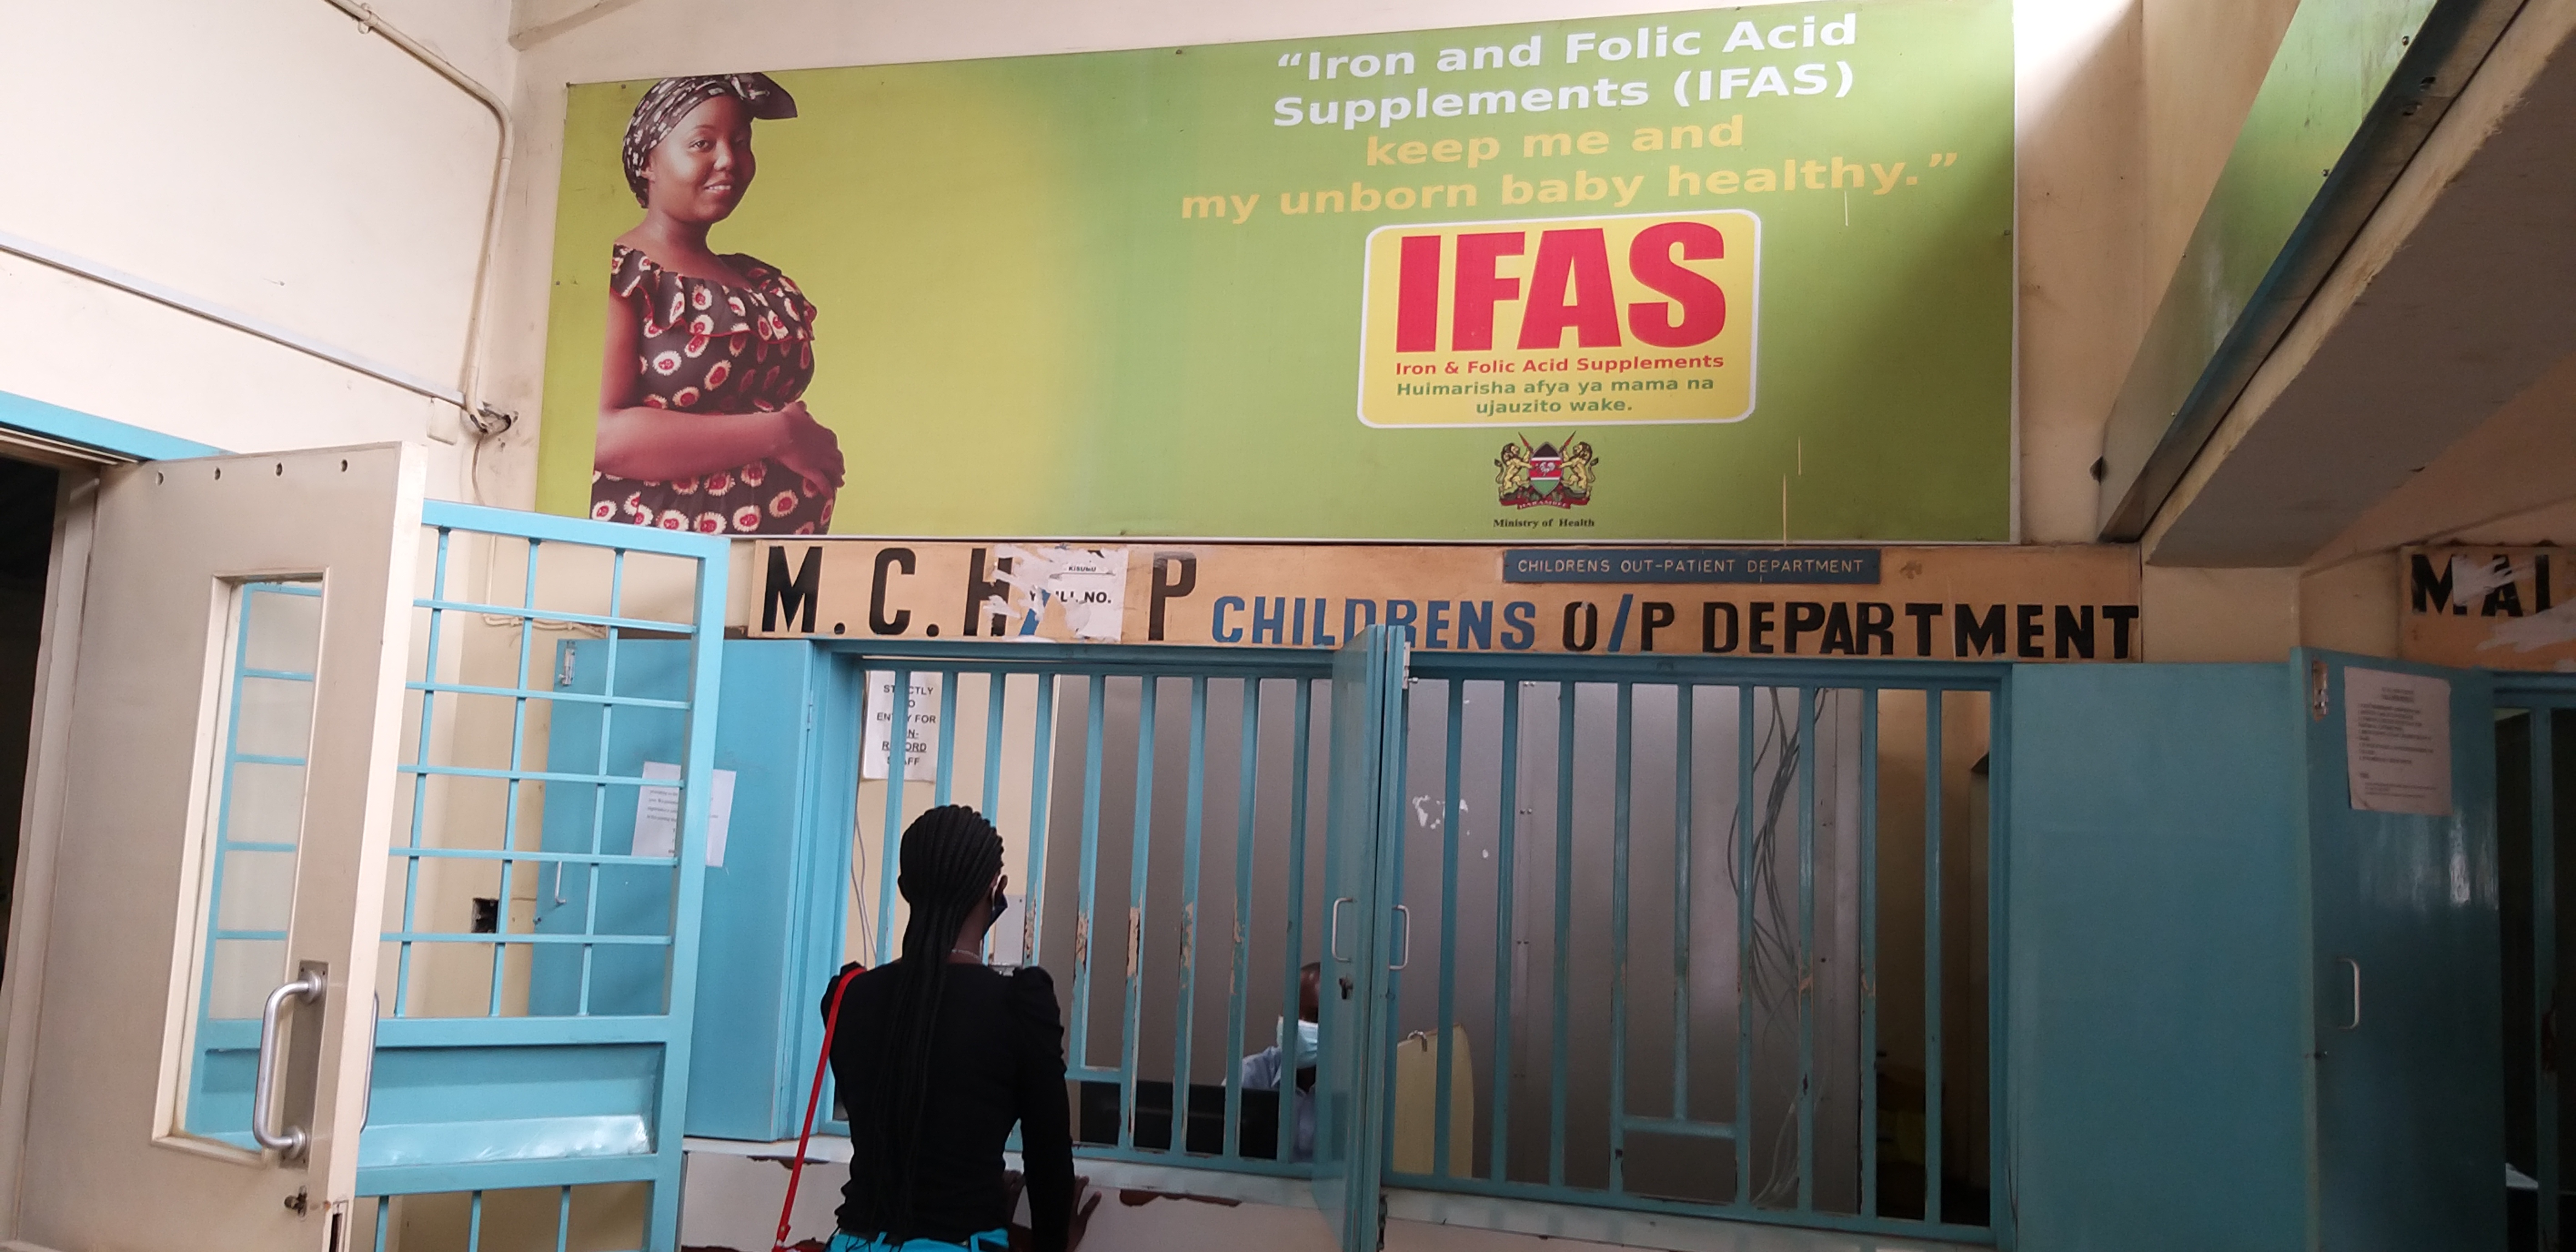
(541, 924)
(598, 1218)
(1710, 940)
(1163, 854)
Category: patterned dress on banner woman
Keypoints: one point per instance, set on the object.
(702, 424)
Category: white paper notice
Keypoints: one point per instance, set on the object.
(1088, 584)
(2397, 741)
(657, 813)
(924, 716)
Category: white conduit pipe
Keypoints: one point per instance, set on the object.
(45, 254)
(469, 372)
(464, 395)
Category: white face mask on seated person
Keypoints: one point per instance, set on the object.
(1309, 1042)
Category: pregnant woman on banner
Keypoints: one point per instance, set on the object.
(700, 424)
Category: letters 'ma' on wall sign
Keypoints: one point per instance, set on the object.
(2490, 608)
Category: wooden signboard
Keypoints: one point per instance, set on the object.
(2029, 603)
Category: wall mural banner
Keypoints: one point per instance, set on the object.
(1732, 275)
(2024, 603)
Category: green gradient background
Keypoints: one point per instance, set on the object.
(1019, 335)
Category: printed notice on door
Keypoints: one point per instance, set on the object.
(922, 717)
(2397, 741)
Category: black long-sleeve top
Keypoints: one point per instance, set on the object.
(996, 1058)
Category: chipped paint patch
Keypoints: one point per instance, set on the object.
(2531, 634)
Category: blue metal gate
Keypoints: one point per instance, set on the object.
(542, 902)
(1756, 903)
(1762, 977)
(1160, 806)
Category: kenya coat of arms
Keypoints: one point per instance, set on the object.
(1551, 474)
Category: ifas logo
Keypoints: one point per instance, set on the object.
(1560, 475)
(1601, 321)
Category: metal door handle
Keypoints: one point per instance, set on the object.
(2355, 1023)
(1407, 958)
(289, 1142)
(1333, 936)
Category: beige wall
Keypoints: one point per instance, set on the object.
(2511, 481)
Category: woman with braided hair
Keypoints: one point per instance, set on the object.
(938, 1055)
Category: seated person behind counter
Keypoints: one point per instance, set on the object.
(1261, 1069)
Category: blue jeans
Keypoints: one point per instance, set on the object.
(987, 1241)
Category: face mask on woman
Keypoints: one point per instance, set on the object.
(1309, 1042)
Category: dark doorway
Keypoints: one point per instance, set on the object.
(27, 493)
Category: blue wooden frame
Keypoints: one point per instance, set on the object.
(2202, 897)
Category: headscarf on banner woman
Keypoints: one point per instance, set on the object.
(671, 99)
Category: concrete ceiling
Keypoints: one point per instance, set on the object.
(2505, 474)
(2457, 298)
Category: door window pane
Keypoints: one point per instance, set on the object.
(265, 804)
(271, 716)
(253, 828)
(239, 977)
(258, 891)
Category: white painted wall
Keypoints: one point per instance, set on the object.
(267, 156)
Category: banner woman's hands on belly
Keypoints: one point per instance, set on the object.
(812, 450)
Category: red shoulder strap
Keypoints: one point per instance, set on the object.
(822, 1066)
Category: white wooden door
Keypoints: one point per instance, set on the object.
(228, 782)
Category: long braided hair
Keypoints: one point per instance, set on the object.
(950, 858)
